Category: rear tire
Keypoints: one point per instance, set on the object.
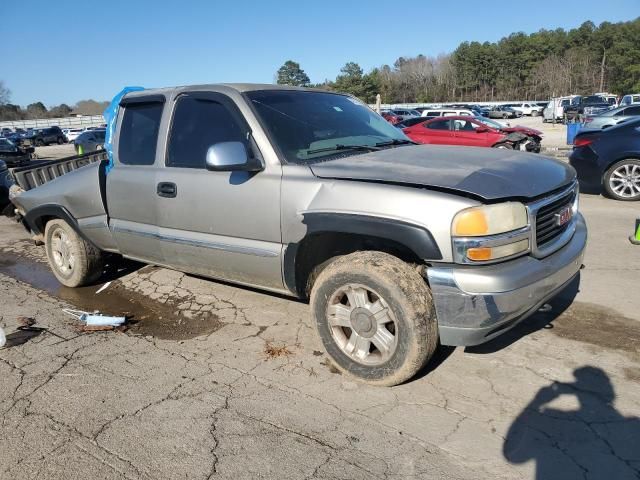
(60, 140)
(622, 180)
(73, 261)
(375, 316)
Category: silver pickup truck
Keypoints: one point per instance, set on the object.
(311, 194)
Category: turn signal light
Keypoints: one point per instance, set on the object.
(479, 254)
(482, 254)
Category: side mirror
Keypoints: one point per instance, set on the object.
(229, 157)
(482, 130)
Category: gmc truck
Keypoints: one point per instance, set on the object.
(396, 246)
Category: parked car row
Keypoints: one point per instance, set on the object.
(578, 107)
(35, 136)
(43, 136)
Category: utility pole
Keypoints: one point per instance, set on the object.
(604, 57)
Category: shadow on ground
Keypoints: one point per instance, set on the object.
(592, 441)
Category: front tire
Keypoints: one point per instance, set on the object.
(374, 314)
(622, 180)
(73, 261)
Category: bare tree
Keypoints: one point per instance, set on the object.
(5, 94)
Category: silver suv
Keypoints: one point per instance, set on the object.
(397, 246)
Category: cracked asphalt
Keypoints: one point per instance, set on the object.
(214, 381)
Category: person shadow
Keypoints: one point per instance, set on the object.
(593, 442)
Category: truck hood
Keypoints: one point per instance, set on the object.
(488, 173)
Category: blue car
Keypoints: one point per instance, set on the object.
(608, 161)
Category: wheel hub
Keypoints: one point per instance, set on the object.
(363, 322)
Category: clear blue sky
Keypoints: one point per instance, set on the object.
(65, 51)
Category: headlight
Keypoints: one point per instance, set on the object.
(490, 232)
(490, 219)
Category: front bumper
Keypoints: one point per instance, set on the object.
(477, 303)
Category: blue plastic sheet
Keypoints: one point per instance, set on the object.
(110, 116)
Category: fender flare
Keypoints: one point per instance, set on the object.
(416, 238)
(33, 219)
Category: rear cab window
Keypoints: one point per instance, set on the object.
(139, 128)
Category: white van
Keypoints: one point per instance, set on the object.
(447, 112)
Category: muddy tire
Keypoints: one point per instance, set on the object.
(73, 261)
(375, 316)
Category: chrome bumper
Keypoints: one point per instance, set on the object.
(477, 303)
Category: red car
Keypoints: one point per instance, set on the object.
(390, 117)
(472, 132)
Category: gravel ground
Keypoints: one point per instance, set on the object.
(214, 381)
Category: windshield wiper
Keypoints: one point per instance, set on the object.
(395, 141)
(369, 148)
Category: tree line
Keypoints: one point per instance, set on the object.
(37, 110)
(533, 66)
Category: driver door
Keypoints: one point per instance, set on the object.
(466, 133)
(220, 224)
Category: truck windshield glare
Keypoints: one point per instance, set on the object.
(308, 126)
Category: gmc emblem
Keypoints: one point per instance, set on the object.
(563, 216)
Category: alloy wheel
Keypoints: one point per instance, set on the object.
(625, 181)
(362, 324)
(61, 249)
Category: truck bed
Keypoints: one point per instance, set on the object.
(39, 173)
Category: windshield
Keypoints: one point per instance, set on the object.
(302, 123)
(490, 123)
(593, 99)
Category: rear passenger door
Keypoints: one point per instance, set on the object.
(132, 200)
(218, 224)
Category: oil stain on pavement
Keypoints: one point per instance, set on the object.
(145, 316)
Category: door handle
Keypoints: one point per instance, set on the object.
(167, 189)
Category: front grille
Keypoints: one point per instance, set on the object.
(547, 228)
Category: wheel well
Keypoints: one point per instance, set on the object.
(41, 222)
(315, 251)
(611, 164)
